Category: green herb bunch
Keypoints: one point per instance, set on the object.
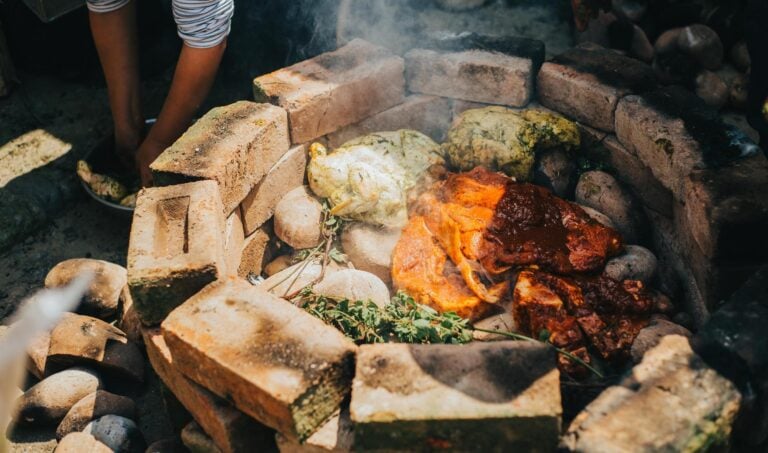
(402, 320)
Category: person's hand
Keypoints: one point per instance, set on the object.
(145, 155)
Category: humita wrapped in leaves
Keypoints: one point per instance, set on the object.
(503, 139)
(367, 179)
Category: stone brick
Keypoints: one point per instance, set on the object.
(679, 282)
(479, 68)
(334, 89)
(699, 407)
(258, 251)
(430, 115)
(234, 145)
(462, 398)
(471, 75)
(587, 84)
(635, 174)
(734, 343)
(726, 210)
(176, 246)
(230, 429)
(336, 436)
(287, 174)
(234, 241)
(274, 361)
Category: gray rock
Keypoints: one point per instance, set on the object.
(460, 5)
(637, 263)
(734, 342)
(641, 46)
(49, 400)
(298, 216)
(94, 406)
(599, 216)
(556, 171)
(80, 443)
(278, 264)
(671, 401)
(196, 440)
(740, 56)
(703, 44)
(353, 284)
(83, 340)
(651, 336)
(370, 248)
(118, 433)
(712, 89)
(599, 190)
(633, 10)
(667, 41)
(103, 295)
(503, 322)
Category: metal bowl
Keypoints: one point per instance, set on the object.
(99, 158)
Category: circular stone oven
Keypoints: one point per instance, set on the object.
(694, 186)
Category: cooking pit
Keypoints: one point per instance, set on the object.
(367, 207)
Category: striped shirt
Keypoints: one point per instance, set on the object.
(200, 23)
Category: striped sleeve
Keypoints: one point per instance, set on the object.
(105, 6)
(203, 23)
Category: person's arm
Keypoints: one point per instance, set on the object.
(195, 73)
(113, 25)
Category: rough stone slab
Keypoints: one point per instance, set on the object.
(287, 174)
(274, 361)
(430, 115)
(28, 152)
(334, 89)
(234, 145)
(693, 407)
(176, 246)
(633, 172)
(725, 210)
(336, 436)
(587, 84)
(234, 241)
(497, 396)
(734, 343)
(471, 75)
(680, 281)
(230, 429)
(258, 251)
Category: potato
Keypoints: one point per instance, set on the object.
(298, 219)
(369, 248)
(599, 190)
(637, 263)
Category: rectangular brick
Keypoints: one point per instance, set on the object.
(257, 251)
(471, 75)
(726, 210)
(334, 89)
(335, 436)
(234, 145)
(287, 174)
(694, 415)
(587, 84)
(176, 246)
(230, 429)
(633, 172)
(412, 397)
(234, 241)
(429, 115)
(274, 361)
